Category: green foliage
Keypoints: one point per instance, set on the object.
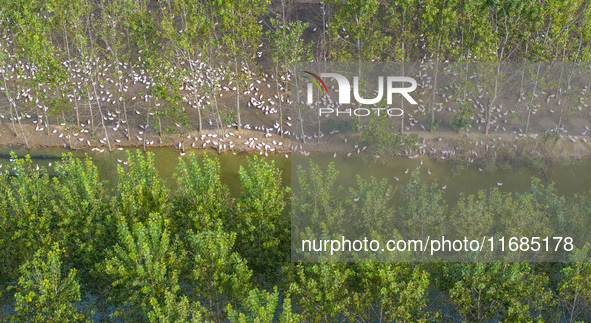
(85, 227)
(220, 277)
(463, 119)
(143, 266)
(26, 216)
(475, 215)
(397, 291)
(373, 210)
(422, 208)
(287, 45)
(434, 125)
(322, 290)
(174, 309)
(379, 134)
(44, 295)
(196, 254)
(189, 263)
(260, 307)
(201, 200)
(488, 291)
(346, 127)
(355, 32)
(141, 191)
(574, 289)
(317, 202)
(262, 229)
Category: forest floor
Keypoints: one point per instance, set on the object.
(444, 144)
(557, 132)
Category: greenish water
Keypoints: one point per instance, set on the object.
(568, 180)
(166, 161)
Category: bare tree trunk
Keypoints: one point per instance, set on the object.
(13, 107)
(302, 126)
(102, 301)
(46, 125)
(559, 93)
(297, 102)
(120, 83)
(195, 96)
(90, 109)
(22, 129)
(237, 97)
(73, 91)
(217, 111)
(435, 86)
(523, 73)
(492, 101)
(10, 106)
(318, 136)
(280, 98)
(560, 120)
(402, 102)
(532, 99)
(101, 115)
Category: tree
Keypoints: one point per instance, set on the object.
(438, 24)
(241, 34)
(316, 203)
(380, 135)
(262, 230)
(505, 17)
(5, 233)
(201, 200)
(261, 306)
(321, 290)
(574, 287)
(390, 292)
(34, 39)
(356, 32)
(219, 275)
(141, 191)
(174, 309)
(287, 47)
(143, 265)
(84, 223)
(510, 291)
(399, 21)
(187, 39)
(422, 211)
(26, 217)
(373, 211)
(113, 19)
(43, 295)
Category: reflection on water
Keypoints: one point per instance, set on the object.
(568, 180)
(469, 180)
(166, 160)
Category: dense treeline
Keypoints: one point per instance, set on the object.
(178, 66)
(373, 209)
(72, 251)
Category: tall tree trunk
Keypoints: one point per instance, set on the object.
(13, 107)
(10, 106)
(435, 86)
(237, 97)
(101, 115)
(102, 301)
(532, 99)
(195, 96)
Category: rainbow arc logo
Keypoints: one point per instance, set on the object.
(315, 79)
